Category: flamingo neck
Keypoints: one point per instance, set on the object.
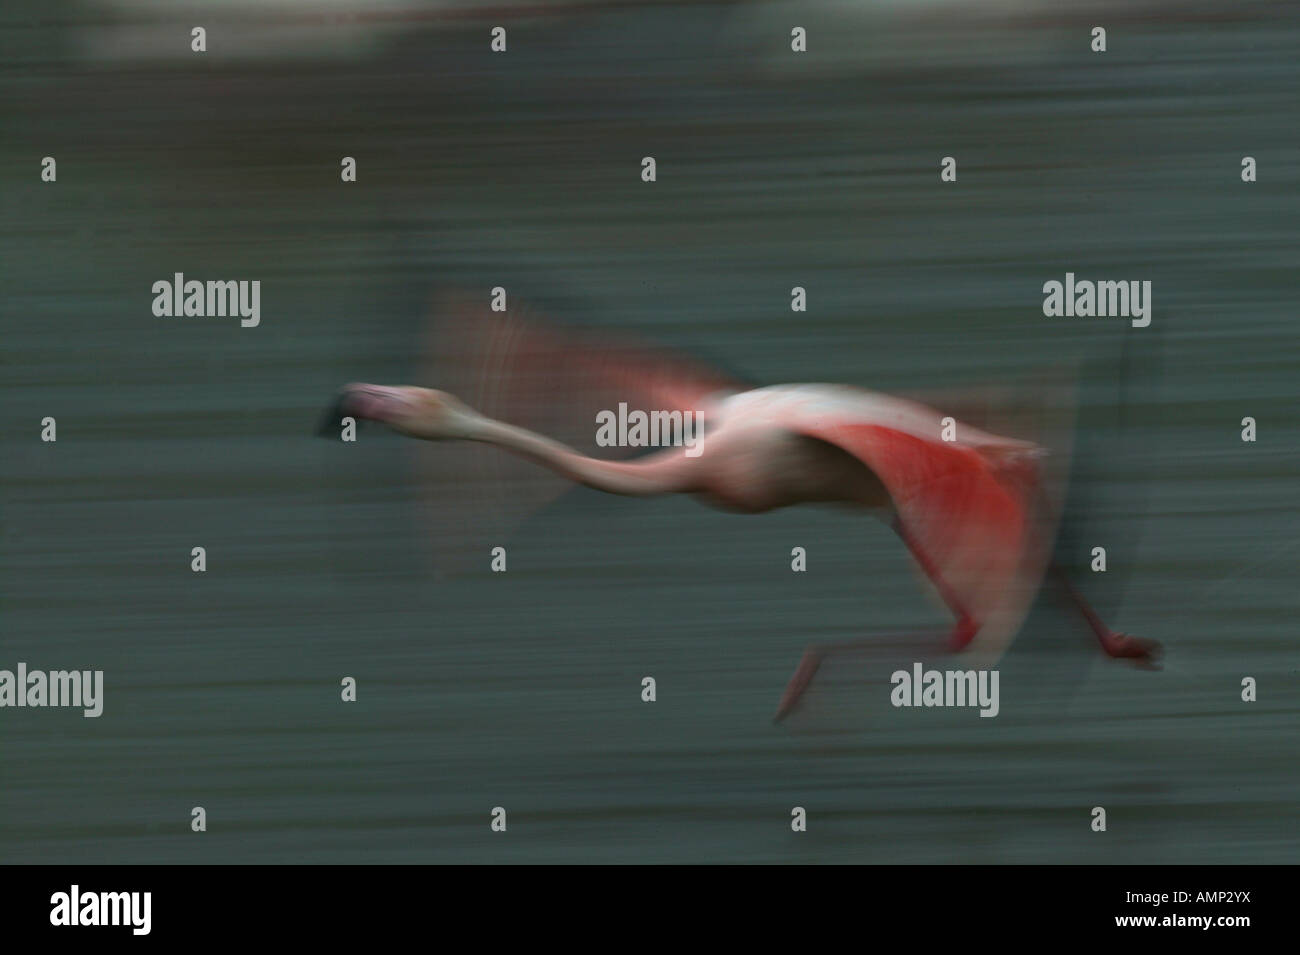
(639, 478)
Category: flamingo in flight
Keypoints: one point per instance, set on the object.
(971, 506)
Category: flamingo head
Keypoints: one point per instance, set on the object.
(418, 412)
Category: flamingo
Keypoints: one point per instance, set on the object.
(970, 505)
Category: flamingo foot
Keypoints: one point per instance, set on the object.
(1145, 653)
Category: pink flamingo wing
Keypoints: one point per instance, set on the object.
(969, 514)
(518, 368)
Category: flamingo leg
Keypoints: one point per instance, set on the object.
(962, 633)
(814, 655)
(967, 626)
(1120, 645)
(1144, 652)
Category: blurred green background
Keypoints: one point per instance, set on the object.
(522, 690)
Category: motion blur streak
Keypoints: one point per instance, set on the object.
(521, 170)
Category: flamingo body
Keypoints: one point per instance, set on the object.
(968, 508)
(972, 506)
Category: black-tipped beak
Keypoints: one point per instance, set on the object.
(331, 422)
(384, 403)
